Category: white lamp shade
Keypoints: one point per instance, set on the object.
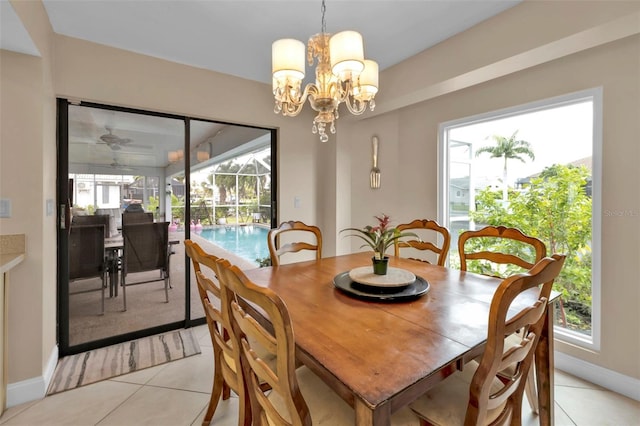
(368, 86)
(287, 59)
(346, 53)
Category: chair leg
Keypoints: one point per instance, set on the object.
(530, 389)
(124, 291)
(104, 283)
(166, 288)
(217, 390)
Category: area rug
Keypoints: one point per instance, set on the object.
(100, 364)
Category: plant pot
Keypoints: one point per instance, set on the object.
(380, 265)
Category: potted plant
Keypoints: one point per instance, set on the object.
(379, 238)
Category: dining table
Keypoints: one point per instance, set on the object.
(380, 352)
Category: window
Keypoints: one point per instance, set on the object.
(535, 167)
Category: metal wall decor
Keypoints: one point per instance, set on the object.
(374, 176)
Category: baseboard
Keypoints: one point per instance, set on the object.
(616, 382)
(35, 388)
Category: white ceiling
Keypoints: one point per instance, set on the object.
(235, 36)
(232, 37)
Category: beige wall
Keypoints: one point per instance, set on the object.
(506, 61)
(27, 156)
(409, 163)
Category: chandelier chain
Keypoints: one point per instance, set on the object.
(324, 23)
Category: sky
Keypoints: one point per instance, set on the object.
(557, 136)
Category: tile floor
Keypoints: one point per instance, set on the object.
(177, 394)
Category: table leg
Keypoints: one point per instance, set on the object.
(544, 364)
(366, 416)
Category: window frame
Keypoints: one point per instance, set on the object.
(595, 95)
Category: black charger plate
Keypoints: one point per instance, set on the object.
(416, 289)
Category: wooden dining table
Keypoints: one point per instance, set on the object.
(379, 356)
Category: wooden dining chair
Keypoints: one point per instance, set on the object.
(490, 391)
(226, 375)
(418, 244)
(490, 248)
(298, 396)
(293, 229)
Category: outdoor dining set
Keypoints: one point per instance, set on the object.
(143, 245)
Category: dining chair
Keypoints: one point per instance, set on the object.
(226, 376)
(145, 248)
(492, 246)
(506, 247)
(490, 391)
(129, 218)
(87, 257)
(93, 219)
(294, 229)
(418, 244)
(298, 396)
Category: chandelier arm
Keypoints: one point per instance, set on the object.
(355, 107)
(293, 107)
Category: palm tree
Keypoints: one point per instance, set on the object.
(509, 149)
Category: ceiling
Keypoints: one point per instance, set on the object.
(232, 37)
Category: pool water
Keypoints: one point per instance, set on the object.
(249, 242)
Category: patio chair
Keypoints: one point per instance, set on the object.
(297, 396)
(87, 257)
(97, 219)
(490, 391)
(145, 248)
(418, 244)
(131, 218)
(310, 233)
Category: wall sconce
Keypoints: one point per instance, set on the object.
(202, 156)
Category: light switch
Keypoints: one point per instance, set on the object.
(5, 207)
(296, 202)
(49, 207)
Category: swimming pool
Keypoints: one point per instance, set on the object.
(249, 242)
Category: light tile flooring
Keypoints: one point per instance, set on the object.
(177, 393)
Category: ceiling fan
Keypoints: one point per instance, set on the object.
(113, 141)
(117, 165)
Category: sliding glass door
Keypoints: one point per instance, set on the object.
(125, 173)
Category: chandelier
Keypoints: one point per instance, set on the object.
(342, 75)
